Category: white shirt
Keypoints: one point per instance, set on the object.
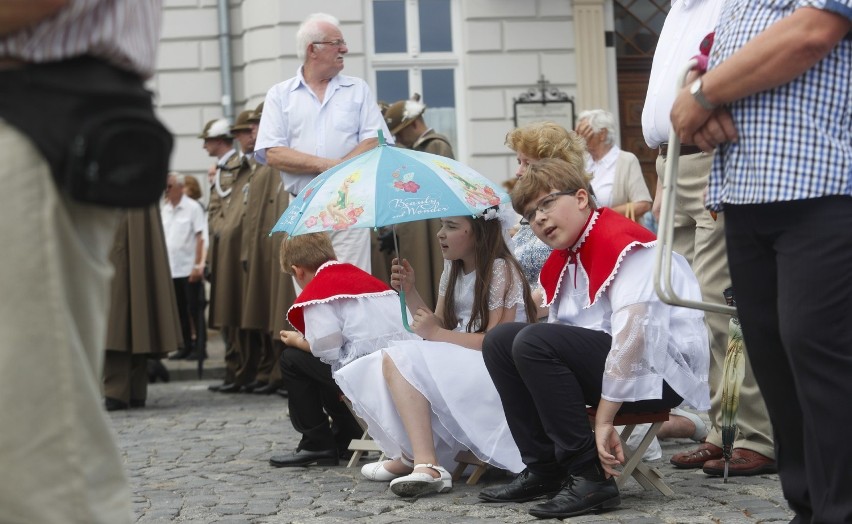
(126, 34)
(294, 117)
(686, 25)
(603, 175)
(651, 341)
(182, 224)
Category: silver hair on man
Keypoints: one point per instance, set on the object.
(310, 32)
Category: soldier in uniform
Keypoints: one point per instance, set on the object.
(143, 316)
(256, 254)
(228, 194)
(418, 241)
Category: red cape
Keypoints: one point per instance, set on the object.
(332, 281)
(608, 237)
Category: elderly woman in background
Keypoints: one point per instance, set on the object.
(617, 178)
(530, 143)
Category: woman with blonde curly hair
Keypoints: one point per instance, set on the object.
(531, 143)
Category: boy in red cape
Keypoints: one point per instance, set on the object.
(609, 342)
(342, 313)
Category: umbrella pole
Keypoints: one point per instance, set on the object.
(401, 292)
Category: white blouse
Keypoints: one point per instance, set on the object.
(651, 341)
(501, 294)
(342, 330)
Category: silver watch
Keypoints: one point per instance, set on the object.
(695, 90)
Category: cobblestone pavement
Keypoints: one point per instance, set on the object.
(197, 456)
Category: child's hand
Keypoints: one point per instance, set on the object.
(290, 338)
(402, 275)
(425, 324)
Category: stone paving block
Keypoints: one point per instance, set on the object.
(194, 456)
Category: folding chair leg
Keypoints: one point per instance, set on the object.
(647, 477)
(465, 459)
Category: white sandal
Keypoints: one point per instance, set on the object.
(417, 484)
(376, 470)
(701, 431)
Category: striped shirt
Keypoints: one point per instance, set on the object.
(123, 32)
(795, 141)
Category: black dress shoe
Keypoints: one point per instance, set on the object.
(137, 403)
(113, 404)
(586, 491)
(216, 387)
(248, 388)
(230, 388)
(526, 486)
(268, 389)
(179, 355)
(304, 457)
(283, 392)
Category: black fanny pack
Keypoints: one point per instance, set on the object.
(95, 126)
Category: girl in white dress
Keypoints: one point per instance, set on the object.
(426, 400)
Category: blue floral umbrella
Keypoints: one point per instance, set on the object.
(386, 186)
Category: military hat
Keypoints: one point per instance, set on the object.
(218, 128)
(258, 112)
(242, 123)
(402, 113)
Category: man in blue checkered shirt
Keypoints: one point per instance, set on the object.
(777, 99)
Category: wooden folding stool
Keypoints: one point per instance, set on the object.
(467, 458)
(363, 444)
(648, 477)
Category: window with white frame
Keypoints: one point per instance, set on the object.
(414, 52)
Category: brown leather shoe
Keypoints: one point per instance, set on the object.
(744, 463)
(696, 458)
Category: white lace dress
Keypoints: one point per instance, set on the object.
(466, 409)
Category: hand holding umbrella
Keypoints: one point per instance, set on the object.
(386, 186)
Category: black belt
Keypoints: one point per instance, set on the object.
(684, 150)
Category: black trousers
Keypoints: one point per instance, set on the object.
(182, 300)
(313, 397)
(546, 375)
(791, 267)
(196, 303)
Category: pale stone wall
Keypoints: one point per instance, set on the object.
(505, 46)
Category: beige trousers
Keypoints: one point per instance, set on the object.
(59, 459)
(701, 240)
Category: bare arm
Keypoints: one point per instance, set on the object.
(806, 37)
(18, 14)
(198, 266)
(363, 147)
(292, 161)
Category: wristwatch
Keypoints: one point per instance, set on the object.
(695, 91)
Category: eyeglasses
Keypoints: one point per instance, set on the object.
(545, 205)
(336, 43)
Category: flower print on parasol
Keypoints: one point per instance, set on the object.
(386, 186)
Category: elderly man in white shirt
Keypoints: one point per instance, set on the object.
(700, 237)
(184, 225)
(319, 118)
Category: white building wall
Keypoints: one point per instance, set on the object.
(508, 45)
(505, 46)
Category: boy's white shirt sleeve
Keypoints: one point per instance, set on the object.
(639, 334)
(324, 330)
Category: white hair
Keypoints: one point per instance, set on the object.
(179, 178)
(309, 32)
(600, 120)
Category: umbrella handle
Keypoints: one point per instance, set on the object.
(401, 292)
(404, 312)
